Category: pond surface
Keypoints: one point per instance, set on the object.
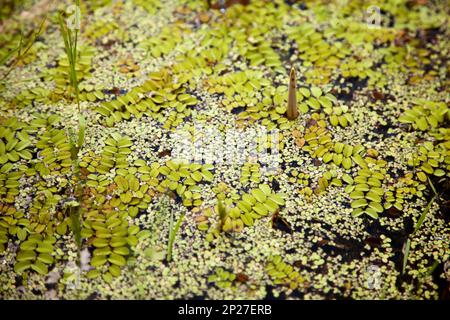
(171, 149)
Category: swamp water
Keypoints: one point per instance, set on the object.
(146, 150)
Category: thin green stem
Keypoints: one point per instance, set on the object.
(75, 80)
(71, 43)
(416, 228)
(70, 38)
(18, 49)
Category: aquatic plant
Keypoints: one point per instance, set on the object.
(283, 273)
(222, 211)
(406, 187)
(43, 215)
(329, 178)
(35, 253)
(406, 249)
(56, 152)
(109, 232)
(339, 116)
(307, 192)
(372, 140)
(240, 90)
(183, 178)
(151, 6)
(159, 97)
(222, 278)
(164, 42)
(14, 143)
(22, 48)
(250, 172)
(130, 187)
(243, 211)
(367, 193)
(114, 154)
(99, 29)
(300, 178)
(62, 75)
(70, 37)
(322, 55)
(9, 183)
(428, 160)
(407, 246)
(426, 115)
(259, 51)
(173, 230)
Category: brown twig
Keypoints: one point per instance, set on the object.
(292, 112)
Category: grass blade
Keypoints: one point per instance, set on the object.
(9, 55)
(432, 268)
(431, 185)
(73, 146)
(81, 131)
(424, 214)
(173, 232)
(418, 225)
(406, 255)
(70, 45)
(19, 48)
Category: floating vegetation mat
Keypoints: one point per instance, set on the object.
(232, 150)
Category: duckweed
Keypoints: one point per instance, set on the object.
(351, 200)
